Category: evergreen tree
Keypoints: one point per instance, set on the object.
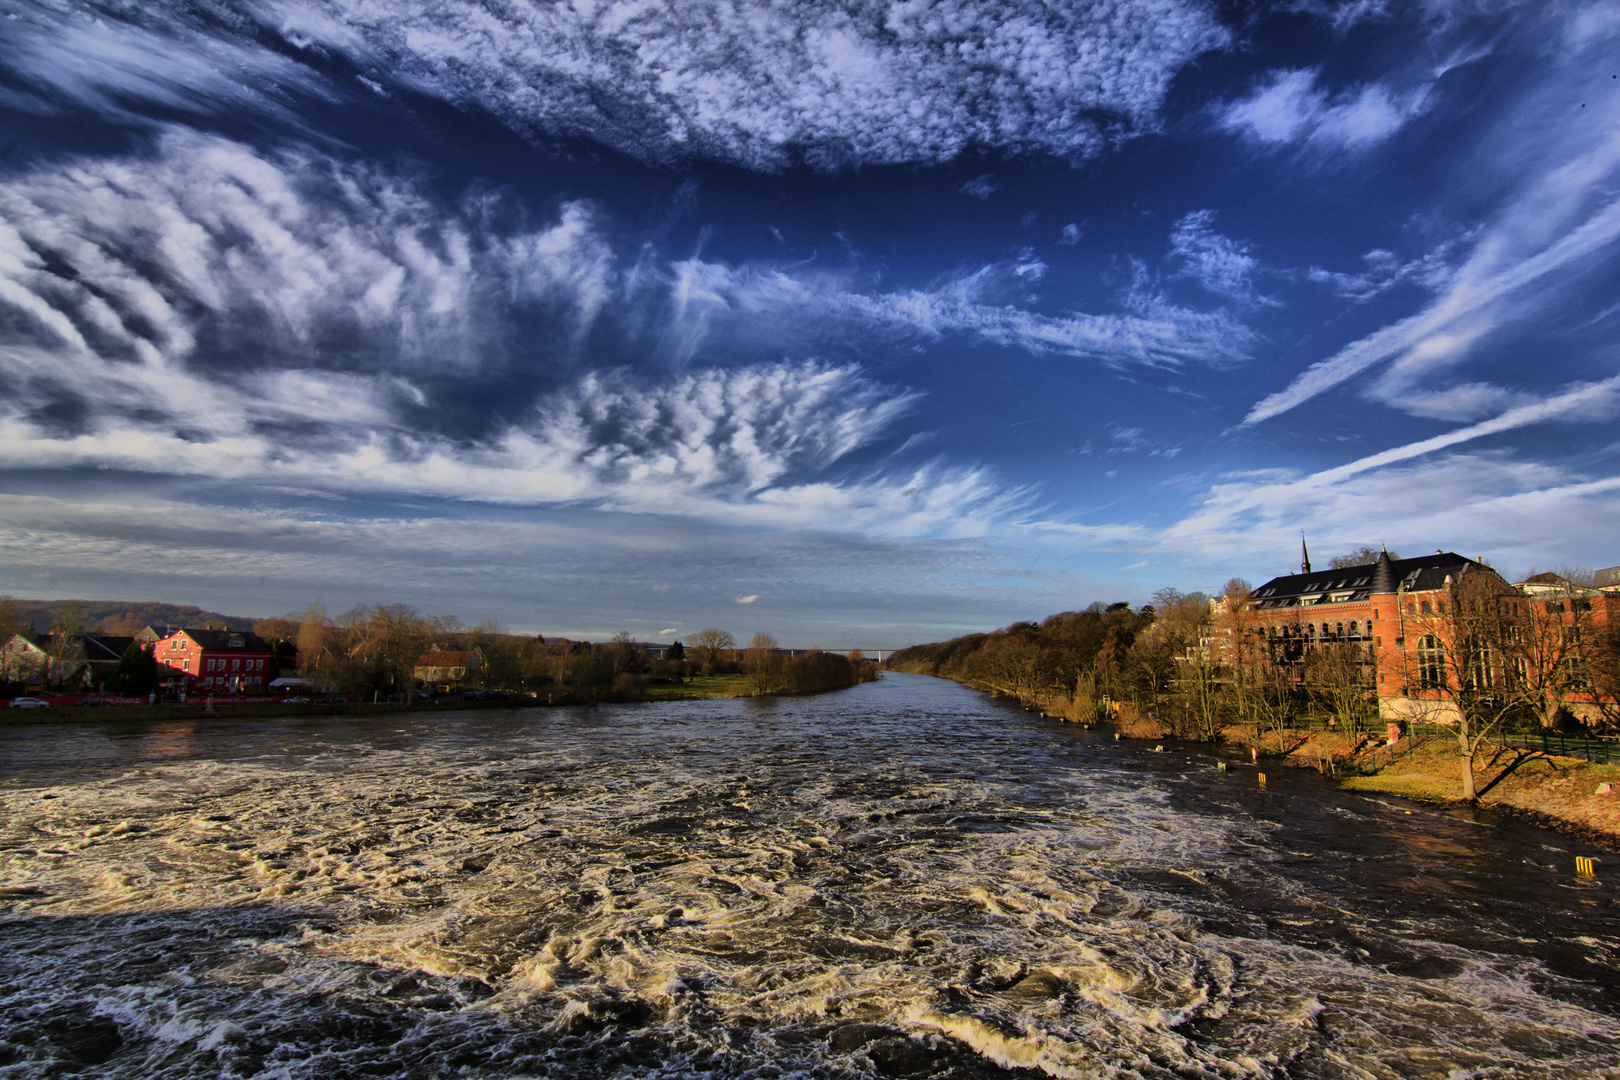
(137, 670)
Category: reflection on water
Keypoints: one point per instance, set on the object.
(174, 739)
(903, 879)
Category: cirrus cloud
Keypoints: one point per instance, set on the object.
(761, 83)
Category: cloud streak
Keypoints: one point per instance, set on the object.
(1442, 332)
(1288, 109)
(760, 83)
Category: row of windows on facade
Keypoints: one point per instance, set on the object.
(236, 665)
(1327, 630)
(1484, 667)
(225, 680)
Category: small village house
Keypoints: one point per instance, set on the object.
(215, 661)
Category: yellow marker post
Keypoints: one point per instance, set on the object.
(1262, 781)
(1583, 866)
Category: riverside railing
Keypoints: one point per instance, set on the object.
(1604, 751)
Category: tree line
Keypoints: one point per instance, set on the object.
(1481, 657)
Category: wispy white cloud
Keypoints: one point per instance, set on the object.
(749, 599)
(987, 303)
(1070, 235)
(758, 83)
(206, 249)
(122, 59)
(1383, 270)
(1520, 508)
(1288, 109)
(1558, 216)
(981, 187)
(1440, 335)
(1224, 266)
(1416, 493)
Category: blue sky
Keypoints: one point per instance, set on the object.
(858, 323)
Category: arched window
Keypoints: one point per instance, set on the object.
(1353, 631)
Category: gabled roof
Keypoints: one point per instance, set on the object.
(106, 646)
(1424, 574)
(234, 640)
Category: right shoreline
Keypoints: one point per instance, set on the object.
(1548, 790)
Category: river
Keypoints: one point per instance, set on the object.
(906, 878)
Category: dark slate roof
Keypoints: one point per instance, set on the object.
(222, 639)
(1424, 574)
(105, 646)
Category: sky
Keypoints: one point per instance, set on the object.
(859, 323)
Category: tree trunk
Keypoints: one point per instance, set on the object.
(1468, 770)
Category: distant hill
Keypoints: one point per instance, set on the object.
(126, 616)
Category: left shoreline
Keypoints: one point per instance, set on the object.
(225, 710)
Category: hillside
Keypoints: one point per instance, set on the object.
(123, 616)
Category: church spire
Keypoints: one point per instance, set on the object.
(1304, 554)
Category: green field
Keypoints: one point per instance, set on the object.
(701, 686)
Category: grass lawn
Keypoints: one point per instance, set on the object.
(1562, 788)
(701, 686)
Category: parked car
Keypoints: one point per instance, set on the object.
(295, 701)
(29, 703)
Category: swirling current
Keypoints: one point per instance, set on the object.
(903, 879)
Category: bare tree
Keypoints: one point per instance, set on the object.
(314, 635)
(1362, 556)
(1340, 675)
(711, 646)
(1553, 633)
(1457, 645)
(66, 645)
(763, 664)
(388, 639)
(12, 620)
(1014, 666)
(503, 655)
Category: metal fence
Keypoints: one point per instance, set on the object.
(1603, 751)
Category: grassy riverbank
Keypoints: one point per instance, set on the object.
(1560, 792)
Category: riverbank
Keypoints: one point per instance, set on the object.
(1562, 793)
(696, 688)
(1577, 797)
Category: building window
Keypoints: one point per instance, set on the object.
(1338, 630)
(236, 665)
(1480, 675)
(1425, 607)
(1431, 662)
(1353, 631)
(185, 665)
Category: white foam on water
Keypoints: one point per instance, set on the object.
(572, 899)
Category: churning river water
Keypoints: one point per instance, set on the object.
(903, 879)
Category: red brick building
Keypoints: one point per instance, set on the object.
(1396, 611)
(230, 662)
